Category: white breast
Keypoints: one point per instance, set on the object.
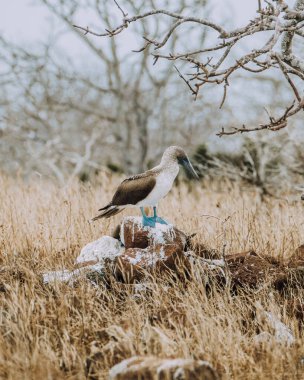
(164, 182)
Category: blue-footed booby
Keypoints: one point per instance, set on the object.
(148, 188)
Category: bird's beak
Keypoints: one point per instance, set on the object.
(189, 168)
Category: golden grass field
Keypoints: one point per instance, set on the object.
(63, 332)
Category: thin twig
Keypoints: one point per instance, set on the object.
(121, 10)
(185, 80)
(224, 94)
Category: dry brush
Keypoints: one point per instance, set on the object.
(80, 332)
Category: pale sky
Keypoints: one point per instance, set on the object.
(25, 23)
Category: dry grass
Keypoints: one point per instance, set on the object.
(62, 332)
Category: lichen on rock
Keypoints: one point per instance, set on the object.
(151, 367)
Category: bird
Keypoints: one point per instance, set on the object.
(148, 188)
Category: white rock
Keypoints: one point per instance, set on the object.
(174, 369)
(99, 250)
(60, 276)
(178, 365)
(211, 263)
(70, 276)
(263, 337)
(120, 368)
(214, 263)
(205, 265)
(142, 287)
(278, 331)
(282, 333)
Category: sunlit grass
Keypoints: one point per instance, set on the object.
(61, 332)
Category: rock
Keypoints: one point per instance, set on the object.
(153, 368)
(238, 258)
(71, 276)
(149, 249)
(117, 345)
(263, 338)
(141, 290)
(249, 270)
(134, 235)
(280, 333)
(208, 270)
(105, 248)
(91, 261)
(201, 250)
(144, 249)
(134, 262)
(57, 276)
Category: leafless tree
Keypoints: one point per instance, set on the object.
(60, 119)
(137, 91)
(69, 120)
(215, 65)
(259, 162)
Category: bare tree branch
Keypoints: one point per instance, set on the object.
(275, 124)
(275, 18)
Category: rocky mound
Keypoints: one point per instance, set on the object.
(135, 251)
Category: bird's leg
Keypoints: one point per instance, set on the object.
(146, 220)
(157, 218)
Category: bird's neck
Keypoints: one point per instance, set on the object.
(170, 166)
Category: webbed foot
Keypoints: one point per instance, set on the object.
(148, 221)
(160, 220)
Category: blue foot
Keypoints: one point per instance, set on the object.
(148, 221)
(157, 218)
(160, 220)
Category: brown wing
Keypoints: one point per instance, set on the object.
(133, 190)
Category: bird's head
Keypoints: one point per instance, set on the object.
(177, 154)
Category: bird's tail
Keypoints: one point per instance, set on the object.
(107, 212)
